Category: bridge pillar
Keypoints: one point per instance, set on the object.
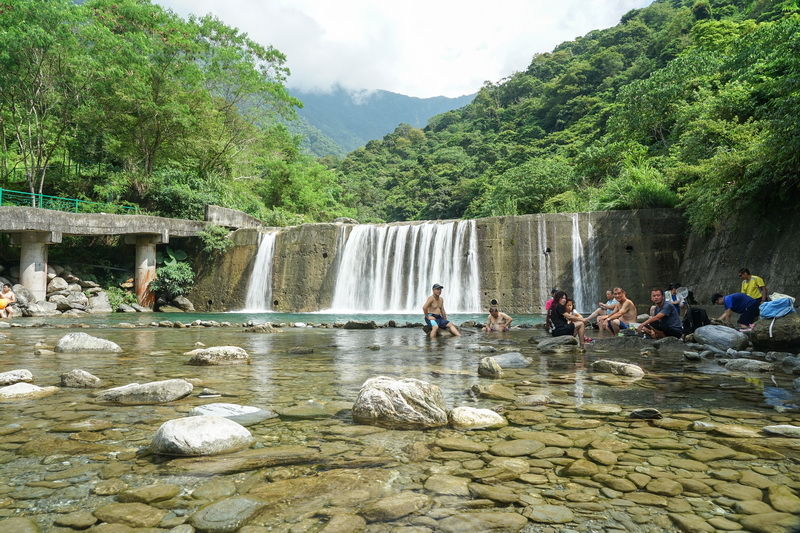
(146, 267)
(33, 260)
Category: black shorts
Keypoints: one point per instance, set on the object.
(669, 332)
(569, 329)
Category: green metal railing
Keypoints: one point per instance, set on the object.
(73, 205)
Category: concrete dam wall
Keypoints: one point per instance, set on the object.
(390, 267)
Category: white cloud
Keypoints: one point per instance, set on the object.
(418, 48)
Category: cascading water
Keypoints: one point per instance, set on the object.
(391, 268)
(544, 269)
(259, 292)
(579, 269)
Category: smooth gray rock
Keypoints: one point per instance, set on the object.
(183, 303)
(511, 360)
(147, 393)
(472, 418)
(618, 368)
(749, 365)
(57, 284)
(361, 324)
(40, 309)
(244, 415)
(488, 367)
(24, 295)
(15, 376)
(227, 515)
(99, 303)
(400, 404)
(83, 342)
(783, 334)
(218, 355)
(80, 379)
(555, 342)
(200, 435)
(721, 337)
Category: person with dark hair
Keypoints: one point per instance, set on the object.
(560, 322)
(666, 320)
(753, 286)
(435, 315)
(671, 296)
(7, 298)
(549, 302)
(738, 302)
(624, 315)
(497, 320)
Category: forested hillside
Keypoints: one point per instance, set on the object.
(690, 103)
(350, 119)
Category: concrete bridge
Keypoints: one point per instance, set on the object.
(33, 229)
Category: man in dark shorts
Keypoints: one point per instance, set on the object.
(738, 302)
(435, 315)
(665, 322)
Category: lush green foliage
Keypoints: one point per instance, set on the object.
(173, 279)
(215, 239)
(145, 108)
(117, 297)
(684, 103)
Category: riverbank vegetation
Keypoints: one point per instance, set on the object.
(685, 103)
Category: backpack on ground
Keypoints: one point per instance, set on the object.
(694, 319)
(776, 308)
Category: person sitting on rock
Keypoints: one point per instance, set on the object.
(560, 322)
(497, 320)
(666, 320)
(624, 315)
(7, 298)
(604, 308)
(738, 302)
(435, 315)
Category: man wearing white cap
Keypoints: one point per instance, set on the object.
(435, 315)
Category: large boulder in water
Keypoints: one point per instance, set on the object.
(473, 418)
(617, 368)
(26, 390)
(200, 435)
(511, 360)
(15, 376)
(80, 379)
(218, 355)
(83, 342)
(147, 393)
(400, 404)
(721, 337)
(782, 335)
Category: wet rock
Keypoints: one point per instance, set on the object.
(524, 417)
(83, 342)
(600, 408)
(647, 413)
(482, 349)
(749, 365)
(721, 337)
(15, 376)
(77, 520)
(580, 468)
(400, 403)
(90, 424)
(561, 344)
(263, 328)
(19, 524)
(664, 487)
(130, 514)
(494, 391)
(534, 399)
(228, 515)
(80, 379)
(244, 415)
(149, 493)
(26, 390)
(200, 435)
(549, 514)
(471, 418)
(618, 368)
(344, 523)
(784, 335)
(218, 355)
(516, 448)
(690, 523)
(785, 430)
(244, 461)
(497, 493)
(770, 522)
(312, 409)
(783, 499)
(488, 367)
(506, 521)
(47, 446)
(512, 360)
(395, 506)
(447, 485)
(154, 392)
(360, 324)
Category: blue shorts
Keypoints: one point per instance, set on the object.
(438, 320)
(623, 325)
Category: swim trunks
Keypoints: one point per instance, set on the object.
(441, 322)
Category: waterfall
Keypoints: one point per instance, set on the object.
(544, 269)
(595, 292)
(391, 267)
(259, 292)
(579, 270)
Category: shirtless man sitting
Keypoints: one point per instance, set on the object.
(497, 320)
(623, 317)
(435, 315)
(7, 295)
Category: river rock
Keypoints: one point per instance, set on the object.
(511, 360)
(136, 515)
(147, 393)
(721, 337)
(472, 418)
(618, 368)
(80, 379)
(218, 355)
(83, 342)
(15, 376)
(19, 524)
(556, 344)
(784, 430)
(360, 324)
(24, 295)
(99, 303)
(506, 521)
(549, 514)
(57, 284)
(395, 506)
(784, 335)
(244, 415)
(400, 403)
(183, 303)
(200, 435)
(26, 390)
(39, 309)
(749, 365)
(494, 391)
(488, 367)
(227, 515)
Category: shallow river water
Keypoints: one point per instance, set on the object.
(706, 466)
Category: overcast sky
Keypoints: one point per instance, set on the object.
(418, 48)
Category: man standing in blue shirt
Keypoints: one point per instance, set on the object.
(665, 322)
(738, 303)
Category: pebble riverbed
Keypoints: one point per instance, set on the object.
(577, 463)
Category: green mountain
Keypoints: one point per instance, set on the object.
(338, 122)
(687, 103)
